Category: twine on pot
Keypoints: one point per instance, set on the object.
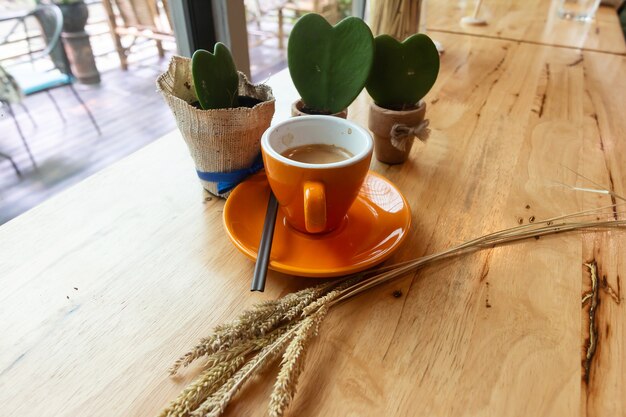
(402, 135)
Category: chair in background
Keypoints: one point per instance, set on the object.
(10, 92)
(258, 10)
(138, 19)
(32, 81)
(13, 164)
(329, 9)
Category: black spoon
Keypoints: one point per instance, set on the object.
(265, 246)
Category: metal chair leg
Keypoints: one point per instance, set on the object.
(30, 47)
(28, 114)
(56, 106)
(19, 130)
(93, 120)
(17, 170)
(281, 31)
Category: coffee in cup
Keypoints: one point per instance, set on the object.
(319, 153)
(315, 166)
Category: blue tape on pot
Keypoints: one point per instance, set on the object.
(226, 181)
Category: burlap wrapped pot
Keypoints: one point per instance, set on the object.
(221, 140)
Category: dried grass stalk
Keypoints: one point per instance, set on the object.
(239, 349)
(293, 363)
(202, 387)
(252, 324)
(216, 403)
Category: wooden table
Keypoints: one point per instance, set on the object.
(532, 21)
(105, 285)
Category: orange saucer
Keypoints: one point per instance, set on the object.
(373, 229)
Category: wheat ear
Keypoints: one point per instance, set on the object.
(254, 323)
(293, 363)
(201, 388)
(216, 403)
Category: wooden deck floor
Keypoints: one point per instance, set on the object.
(128, 109)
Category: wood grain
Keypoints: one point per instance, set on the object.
(533, 21)
(604, 382)
(105, 285)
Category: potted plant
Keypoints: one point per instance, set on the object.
(220, 115)
(329, 65)
(402, 74)
(75, 15)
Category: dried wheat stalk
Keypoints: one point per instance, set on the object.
(293, 363)
(237, 350)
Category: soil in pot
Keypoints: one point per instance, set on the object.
(300, 109)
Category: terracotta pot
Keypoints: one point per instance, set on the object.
(382, 120)
(297, 106)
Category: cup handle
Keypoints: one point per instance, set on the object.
(314, 207)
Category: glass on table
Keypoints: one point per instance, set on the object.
(581, 10)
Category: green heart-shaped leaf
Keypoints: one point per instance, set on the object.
(215, 78)
(404, 72)
(329, 65)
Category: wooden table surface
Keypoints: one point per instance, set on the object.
(533, 21)
(105, 285)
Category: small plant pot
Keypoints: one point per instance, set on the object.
(381, 123)
(298, 109)
(225, 144)
(76, 43)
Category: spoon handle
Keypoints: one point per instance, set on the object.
(265, 246)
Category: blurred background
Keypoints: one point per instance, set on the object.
(77, 91)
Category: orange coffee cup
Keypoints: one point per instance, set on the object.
(315, 197)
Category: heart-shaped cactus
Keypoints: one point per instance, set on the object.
(215, 78)
(404, 72)
(329, 65)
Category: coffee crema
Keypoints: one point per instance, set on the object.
(320, 153)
